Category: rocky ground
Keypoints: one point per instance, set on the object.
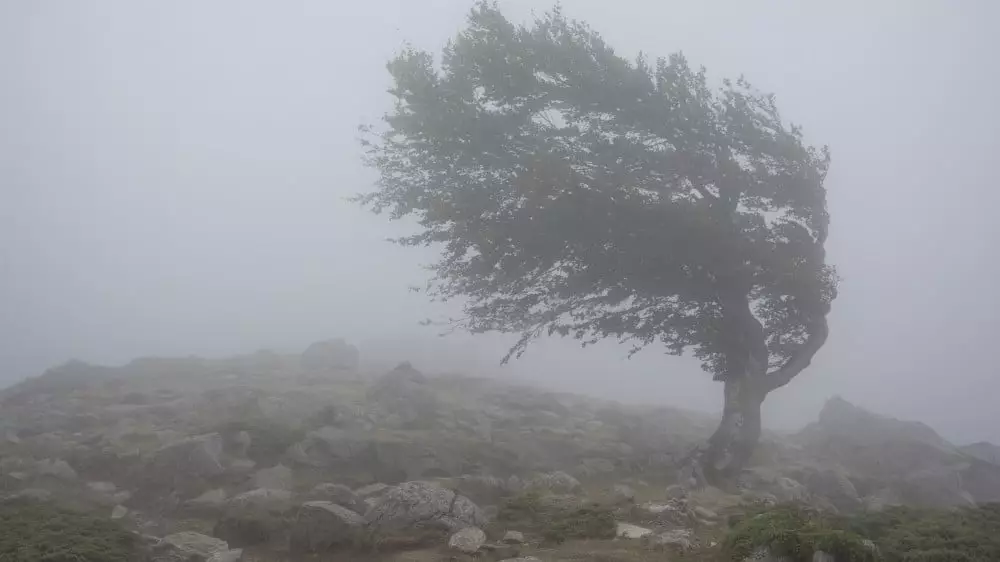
(275, 457)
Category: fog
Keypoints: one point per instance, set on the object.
(173, 177)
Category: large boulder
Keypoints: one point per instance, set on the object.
(278, 477)
(330, 355)
(404, 399)
(257, 517)
(420, 506)
(320, 526)
(187, 464)
(557, 482)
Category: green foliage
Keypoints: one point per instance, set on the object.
(34, 532)
(556, 522)
(935, 535)
(902, 534)
(576, 192)
(796, 533)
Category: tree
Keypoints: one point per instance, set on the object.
(574, 192)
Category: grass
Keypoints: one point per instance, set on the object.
(33, 532)
(533, 513)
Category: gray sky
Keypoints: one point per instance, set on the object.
(172, 176)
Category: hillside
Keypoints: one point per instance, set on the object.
(278, 454)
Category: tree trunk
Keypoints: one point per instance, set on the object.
(732, 444)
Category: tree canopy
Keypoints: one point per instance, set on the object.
(576, 192)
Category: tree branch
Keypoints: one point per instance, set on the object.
(802, 358)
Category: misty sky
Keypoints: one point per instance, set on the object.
(173, 176)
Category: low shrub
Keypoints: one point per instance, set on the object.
(37, 532)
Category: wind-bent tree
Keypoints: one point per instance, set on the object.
(577, 193)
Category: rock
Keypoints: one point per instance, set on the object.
(119, 511)
(322, 525)
(278, 477)
(340, 495)
(372, 490)
(102, 487)
(623, 493)
(676, 492)
(820, 556)
(12, 438)
(210, 500)
(468, 540)
(330, 355)
(256, 517)
(705, 513)
(557, 482)
(522, 559)
(833, 485)
(677, 539)
(242, 466)
(513, 537)
(630, 531)
(56, 468)
(186, 464)
(418, 504)
(405, 399)
(242, 442)
(188, 546)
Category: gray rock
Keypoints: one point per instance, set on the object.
(32, 494)
(764, 554)
(623, 493)
(522, 559)
(372, 490)
(57, 469)
(256, 517)
(469, 540)
(191, 547)
(119, 511)
(705, 513)
(278, 477)
(340, 495)
(418, 504)
(210, 500)
(185, 465)
(630, 531)
(330, 355)
(513, 537)
(676, 492)
(242, 441)
(404, 398)
(820, 556)
(676, 539)
(321, 525)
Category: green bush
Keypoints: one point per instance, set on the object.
(34, 532)
(903, 534)
(796, 532)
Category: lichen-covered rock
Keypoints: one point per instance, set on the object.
(421, 505)
(468, 540)
(322, 525)
(623, 493)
